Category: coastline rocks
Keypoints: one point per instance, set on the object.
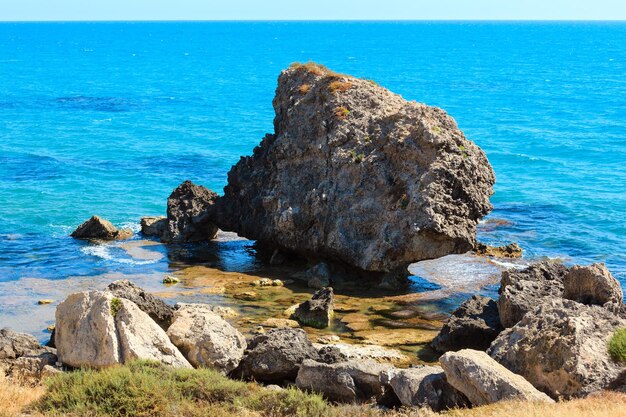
(344, 382)
(561, 348)
(318, 311)
(190, 214)
(153, 226)
(359, 176)
(97, 228)
(522, 290)
(205, 338)
(14, 345)
(484, 381)
(318, 276)
(23, 359)
(425, 386)
(275, 356)
(474, 325)
(592, 284)
(512, 250)
(96, 329)
(339, 352)
(156, 308)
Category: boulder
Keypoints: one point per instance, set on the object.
(205, 338)
(357, 175)
(344, 382)
(23, 359)
(14, 345)
(156, 308)
(484, 381)
(474, 325)
(318, 276)
(318, 311)
(97, 228)
(340, 352)
(152, 226)
(190, 210)
(561, 348)
(275, 356)
(95, 329)
(425, 386)
(522, 290)
(592, 284)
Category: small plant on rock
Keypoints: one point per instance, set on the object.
(342, 112)
(304, 88)
(339, 86)
(617, 346)
(116, 305)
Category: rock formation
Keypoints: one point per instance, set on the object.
(23, 359)
(357, 175)
(153, 226)
(97, 228)
(592, 284)
(156, 308)
(318, 311)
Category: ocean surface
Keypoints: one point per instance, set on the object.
(108, 118)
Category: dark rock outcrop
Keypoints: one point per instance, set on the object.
(97, 228)
(522, 290)
(318, 311)
(474, 325)
(561, 348)
(357, 175)
(592, 284)
(275, 356)
(190, 214)
(156, 308)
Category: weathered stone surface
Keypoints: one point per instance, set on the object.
(190, 210)
(318, 311)
(592, 284)
(153, 226)
(14, 345)
(474, 325)
(23, 359)
(484, 381)
(156, 308)
(100, 229)
(561, 348)
(275, 356)
(318, 276)
(522, 290)
(512, 250)
(205, 338)
(345, 382)
(340, 352)
(96, 329)
(357, 175)
(425, 386)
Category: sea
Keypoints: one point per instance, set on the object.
(107, 118)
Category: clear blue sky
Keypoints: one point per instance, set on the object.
(311, 10)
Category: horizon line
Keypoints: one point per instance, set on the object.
(314, 20)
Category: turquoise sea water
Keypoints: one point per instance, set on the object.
(107, 118)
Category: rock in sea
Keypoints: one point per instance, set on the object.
(97, 228)
(153, 226)
(358, 175)
(318, 311)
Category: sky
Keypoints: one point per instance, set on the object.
(37, 10)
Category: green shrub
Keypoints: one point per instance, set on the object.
(617, 346)
(116, 304)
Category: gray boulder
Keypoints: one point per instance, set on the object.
(275, 356)
(592, 284)
(190, 210)
(474, 325)
(318, 276)
(358, 175)
(318, 311)
(205, 338)
(561, 348)
(485, 381)
(522, 290)
(14, 345)
(97, 228)
(156, 308)
(23, 359)
(153, 226)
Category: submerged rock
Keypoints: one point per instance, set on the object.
(156, 308)
(521, 291)
(318, 311)
(592, 284)
(561, 348)
(190, 210)
(153, 226)
(511, 250)
(98, 228)
(474, 325)
(357, 175)
(485, 381)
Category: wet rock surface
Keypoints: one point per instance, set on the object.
(97, 228)
(318, 311)
(512, 250)
(190, 210)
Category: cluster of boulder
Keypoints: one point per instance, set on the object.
(550, 325)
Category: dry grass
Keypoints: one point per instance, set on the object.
(339, 86)
(342, 112)
(315, 68)
(15, 398)
(304, 88)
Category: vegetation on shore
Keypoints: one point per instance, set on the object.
(617, 346)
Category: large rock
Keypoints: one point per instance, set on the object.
(522, 290)
(341, 352)
(318, 311)
(592, 284)
(95, 329)
(561, 348)
(275, 356)
(425, 386)
(317, 276)
(190, 210)
(156, 308)
(153, 226)
(345, 382)
(474, 325)
(23, 359)
(97, 228)
(205, 338)
(485, 381)
(356, 174)
(14, 345)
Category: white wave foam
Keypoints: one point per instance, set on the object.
(104, 252)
